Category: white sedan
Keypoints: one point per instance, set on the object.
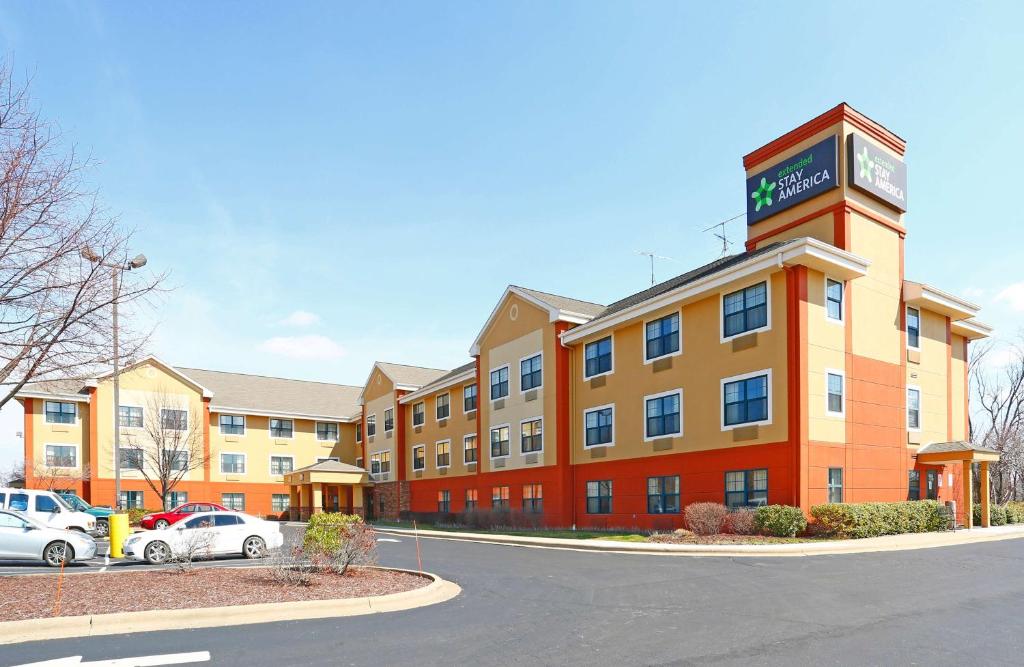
(24, 538)
(205, 535)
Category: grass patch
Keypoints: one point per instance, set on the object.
(559, 533)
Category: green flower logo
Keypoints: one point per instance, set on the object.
(762, 196)
(866, 164)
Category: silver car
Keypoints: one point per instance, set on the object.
(22, 538)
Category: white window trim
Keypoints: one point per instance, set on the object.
(643, 337)
(543, 432)
(280, 437)
(414, 448)
(531, 356)
(413, 417)
(441, 419)
(441, 442)
(380, 459)
(367, 426)
(842, 411)
(78, 455)
(386, 429)
(842, 306)
(906, 326)
(316, 431)
(464, 439)
(139, 407)
(270, 462)
(611, 371)
(47, 414)
(464, 410)
(920, 408)
(745, 376)
(596, 408)
(163, 410)
(767, 280)
(245, 463)
(643, 413)
(495, 428)
(245, 425)
(507, 367)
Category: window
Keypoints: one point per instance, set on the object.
(389, 420)
(834, 300)
(444, 501)
(59, 413)
(469, 449)
(834, 390)
(662, 337)
(19, 502)
(282, 465)
(176, 460)
(599, 497)
(499, 442)
(173, 420)
(469, 398)
(281, 428)
(131, 458)
(233, 501)
(280, 502)
(663, 495)
(46, 504)
(499, 498)
(913, 328)
(371, 426)
(835, 485)
(745, 310)
(663, 415)
(419, 458)
(598, 426)
(443, 451)
(746, 401)
(359, 431)
(131, 500)
(913, 408)
(418, 414)
(321, 459)
(746, 488)
(380, 463)
(327, 431)
(359, 462)
(61, 456)
(232, 464)
(931, 484)
(530, 375)
(531, 436)
(129, 416)
(232, 424)
(597, 357)
(442, 406)
(176, 498)
(471, 499)
(533, 498)
(11, 521)
(913, 485)
(499, 383)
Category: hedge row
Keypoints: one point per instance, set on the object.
(999, 515)
(859, 520)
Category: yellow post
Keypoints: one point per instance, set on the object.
(119, 531)
(984, 493)
(318, 498)
(968, 494)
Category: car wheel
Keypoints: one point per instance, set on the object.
(254, 547)
(161, 524)
(102, 529)
(157, 553)
(56, 553)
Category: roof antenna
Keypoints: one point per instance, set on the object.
(720, 233)
(652, 256)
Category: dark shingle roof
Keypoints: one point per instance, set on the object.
(565, 303)
(954, 446)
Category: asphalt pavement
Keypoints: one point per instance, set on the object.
(944, 606)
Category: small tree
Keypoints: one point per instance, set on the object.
(13, 472)
(998, 422)
(339, 541)
(53, 478)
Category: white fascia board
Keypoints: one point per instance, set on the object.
(174, 371)
(554, 315)
(971, 329)
(937, 301)
(431, 388)
(67, 398)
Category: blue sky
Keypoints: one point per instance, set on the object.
(335, 183)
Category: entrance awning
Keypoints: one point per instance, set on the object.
(329, 472)
(328, 486)
(958, 450)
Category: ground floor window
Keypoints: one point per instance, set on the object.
(280, 502)
(131, 500)
(835, 485)
(913, 485)
(599, 497)
(444, 501)
(499, 498)
(176, 498)
(663, 495)
(471, 499)
(533, 498)
(233, 501)
(746, 488)
(61, 456)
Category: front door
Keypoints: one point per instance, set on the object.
(368, 504)
(932, 484)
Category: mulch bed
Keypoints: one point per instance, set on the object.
(113, 592)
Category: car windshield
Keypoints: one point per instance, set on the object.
(63, 502)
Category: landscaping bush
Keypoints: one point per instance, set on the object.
(135, 515)
(996, 515)
(1014, 512)
(741, 522)
(780, 520)
(859, 520)
(706, 518)
(339, 541)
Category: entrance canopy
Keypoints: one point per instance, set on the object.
(964, 452)
(328, 486)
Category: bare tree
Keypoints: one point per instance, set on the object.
(12, 473)
(57, 477)
(169, 444)
(57, 248)
(999, 420)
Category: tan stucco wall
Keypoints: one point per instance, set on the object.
(826, 343)
(454, 429)
(876, 297)
(930, 376)
(958, 371)
(258, 447)
(383, 440)
(75, 434)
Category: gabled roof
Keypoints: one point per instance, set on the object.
(954, 446)
(559, 308)
(207, 392)
(330, 465)
(405, 378)
(452, 377)
(68, 390)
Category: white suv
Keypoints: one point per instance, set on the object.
(46, 507)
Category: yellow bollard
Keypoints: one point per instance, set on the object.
(119, 532)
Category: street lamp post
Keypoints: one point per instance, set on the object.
(115, 271)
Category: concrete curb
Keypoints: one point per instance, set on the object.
(825, 548)
(62, 627)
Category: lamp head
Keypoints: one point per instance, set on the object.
(138, 262)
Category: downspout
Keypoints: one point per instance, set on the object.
(572, 413)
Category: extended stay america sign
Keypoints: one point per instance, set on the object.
(796, 179)
(877, 173)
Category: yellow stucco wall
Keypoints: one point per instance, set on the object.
(76, 434)
(876, 297)
(454, 429)
(930, 376)
(958, 372)
(826, 352)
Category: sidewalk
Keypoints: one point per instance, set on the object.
(826, 547)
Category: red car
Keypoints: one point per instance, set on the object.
(164, 519)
